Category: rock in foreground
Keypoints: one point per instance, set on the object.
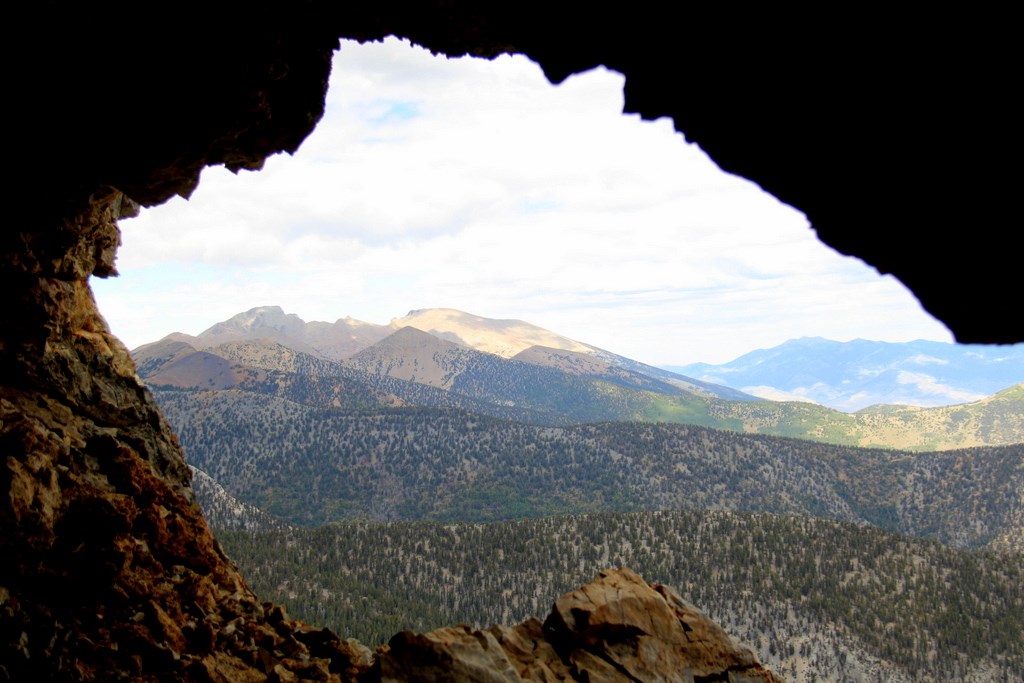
(616, 628)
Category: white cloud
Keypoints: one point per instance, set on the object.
(773, 394)
(928, 384)
(475, 184)
(922, 359)
(861, 398)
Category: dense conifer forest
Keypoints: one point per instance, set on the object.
(311, 465)
(819, 600)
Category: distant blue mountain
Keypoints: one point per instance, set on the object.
(852, 375)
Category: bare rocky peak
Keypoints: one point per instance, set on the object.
(347, 336)
(260, 317)
(504, 338)
(333, 341)
(413, 355)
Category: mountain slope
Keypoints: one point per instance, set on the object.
(620, 370)
(590, 390)
(503, 338)
(412, 368)
(347, 337)
(224, 512)
(996, 420)
(415, 356)
(310, 465)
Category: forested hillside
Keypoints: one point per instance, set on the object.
(225, 512)
(428, 439)
(312, 465)
(819, 600)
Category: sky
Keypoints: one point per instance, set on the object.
(477, 185)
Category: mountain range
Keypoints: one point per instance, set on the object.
(507, 339)
(852, 375)
(511, 369)
(846, 376)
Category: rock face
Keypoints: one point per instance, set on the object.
(108, 570)
(617, 628)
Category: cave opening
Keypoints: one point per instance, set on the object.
(81, 434)
(476, 185)
(481, 187)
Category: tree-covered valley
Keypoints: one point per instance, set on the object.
(835, 563)
(414, 481)
(819, 600)
(311, 465)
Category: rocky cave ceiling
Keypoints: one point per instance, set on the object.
(887, 131)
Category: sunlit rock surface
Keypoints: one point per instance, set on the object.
(616, 628)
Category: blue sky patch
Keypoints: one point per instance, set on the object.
(388, 112)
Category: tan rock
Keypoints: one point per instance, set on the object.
(533, 657)
(616, 628)
(447, 654)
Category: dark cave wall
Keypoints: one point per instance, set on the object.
(109, 570)
(895, 132)
(107, 564)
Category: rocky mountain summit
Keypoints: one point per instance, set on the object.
(347, 336)
(430, 332)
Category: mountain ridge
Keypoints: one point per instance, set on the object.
(846, 376)
(309, 465)
(854, 375)
(542, 385)
(347, 337)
